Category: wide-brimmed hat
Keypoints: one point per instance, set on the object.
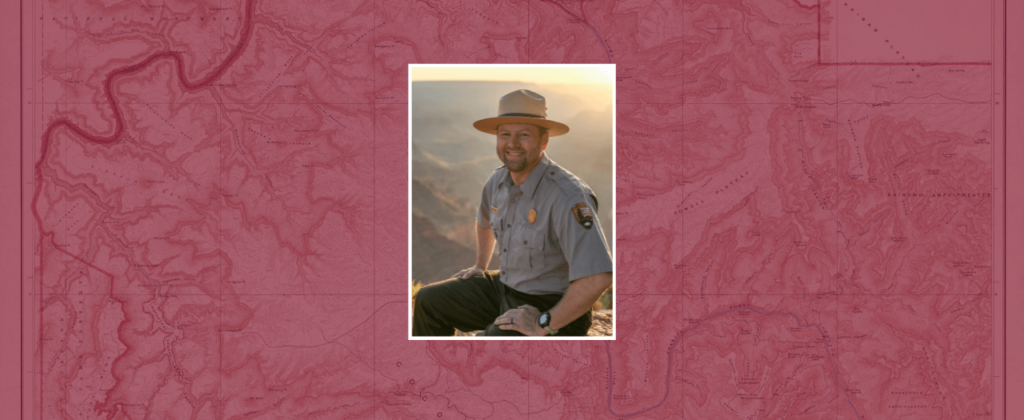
(522, 107)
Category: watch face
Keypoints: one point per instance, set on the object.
(544, 319)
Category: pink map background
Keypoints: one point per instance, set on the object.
(168, 308)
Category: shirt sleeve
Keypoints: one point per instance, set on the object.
(483, 215)
(586, 250)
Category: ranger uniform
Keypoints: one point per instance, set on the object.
(546, 229)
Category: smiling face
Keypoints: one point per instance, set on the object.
(520, 147)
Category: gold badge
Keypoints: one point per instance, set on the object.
(533, 216)
(583, 215)
(494, 209)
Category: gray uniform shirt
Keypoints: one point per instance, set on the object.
(544, 254)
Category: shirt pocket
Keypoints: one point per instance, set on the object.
(495, 224)
(528, 245)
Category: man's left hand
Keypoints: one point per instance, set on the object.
(522, 319)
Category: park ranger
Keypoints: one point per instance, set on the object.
(554, 257)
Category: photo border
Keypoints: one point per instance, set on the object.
(615, 304)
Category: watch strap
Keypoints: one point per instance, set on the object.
(546, 324)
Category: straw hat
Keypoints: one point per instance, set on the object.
(522, 107)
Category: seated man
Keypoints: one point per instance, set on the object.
(554, 258)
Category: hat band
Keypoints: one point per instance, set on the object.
(520, 114)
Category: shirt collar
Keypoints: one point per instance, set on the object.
(530, 186)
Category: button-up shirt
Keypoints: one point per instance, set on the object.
(543, 245)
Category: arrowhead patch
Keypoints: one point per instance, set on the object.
(583, 215)
(533, 216)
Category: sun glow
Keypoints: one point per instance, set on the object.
(526, 73)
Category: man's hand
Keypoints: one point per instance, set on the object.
(522, 319)
(470, 272)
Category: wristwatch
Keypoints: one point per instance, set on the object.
(545, 323)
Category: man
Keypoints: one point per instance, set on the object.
(554, 257)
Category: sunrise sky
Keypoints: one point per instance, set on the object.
(527, 73)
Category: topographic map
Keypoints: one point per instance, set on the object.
(806, 210)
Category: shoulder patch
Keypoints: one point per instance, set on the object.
(583, 215)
